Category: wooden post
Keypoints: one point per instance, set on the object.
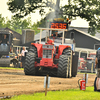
(46, 85)
(85, 80)
(92, 67)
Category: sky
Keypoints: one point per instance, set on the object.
(36, 17)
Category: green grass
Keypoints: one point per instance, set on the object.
(11, 68)
(72, 94)
(84, 73)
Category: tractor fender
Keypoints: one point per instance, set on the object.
(39, 48)
(61, 48)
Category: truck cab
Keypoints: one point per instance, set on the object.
(5, 44)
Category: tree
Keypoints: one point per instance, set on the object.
(7, 23)
(18, 24)
(86, 9)
(22, 8)
(2, 21)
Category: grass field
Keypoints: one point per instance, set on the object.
(72, 94)
(11, 68)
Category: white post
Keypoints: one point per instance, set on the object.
(17, 50)
(47, 34)
(40, 35)
(79, 54)
(63, 38)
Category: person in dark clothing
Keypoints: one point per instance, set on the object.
(97, 65)
(97, 62)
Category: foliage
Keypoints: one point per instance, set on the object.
(35, 27)
(2, 21)
(86, 9)
(71, 94)
(18, 24)
(22, 8)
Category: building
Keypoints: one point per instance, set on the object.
(82, 39)
(15, 34)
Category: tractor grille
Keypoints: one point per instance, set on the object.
(47, 53)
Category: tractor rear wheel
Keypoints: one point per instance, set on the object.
(62, 66)
(29, 68)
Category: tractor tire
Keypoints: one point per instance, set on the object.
(29, 67)
(67, 52)
(62, 66)
(33, 49)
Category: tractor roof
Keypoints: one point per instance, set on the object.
(5, 32)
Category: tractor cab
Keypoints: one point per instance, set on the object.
(5, 42)
(6, 39)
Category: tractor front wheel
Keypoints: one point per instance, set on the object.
(29, 68)
(67, 52)
(33, 49)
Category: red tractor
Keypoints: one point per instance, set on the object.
(40, 59)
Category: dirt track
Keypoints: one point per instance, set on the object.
(14, 82)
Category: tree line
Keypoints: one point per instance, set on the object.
(18, 24)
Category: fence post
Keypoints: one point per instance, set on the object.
(46, 85)
(92, 68)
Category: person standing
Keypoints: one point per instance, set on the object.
(23, 54)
